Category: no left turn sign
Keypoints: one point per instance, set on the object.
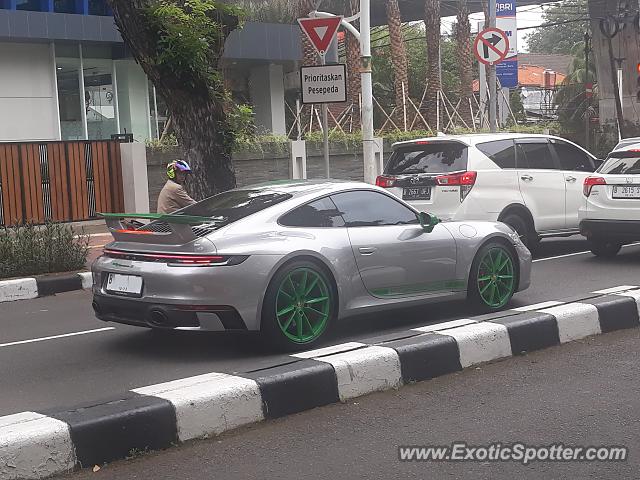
(491, 46)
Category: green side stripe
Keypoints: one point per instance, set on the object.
(439, 286)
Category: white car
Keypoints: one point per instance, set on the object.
(610, 211)
(531, 182)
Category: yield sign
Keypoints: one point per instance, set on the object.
(491, 46)
(320, 31)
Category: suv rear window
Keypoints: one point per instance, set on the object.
(231, 206)
(622, 164)
(434, 157)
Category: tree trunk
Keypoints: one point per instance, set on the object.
(196, 101)
(398, 58)
(465, 59)
(434, 82)
(352, 47)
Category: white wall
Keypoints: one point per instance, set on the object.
(267, 95)
(27, 95)
(133, 99)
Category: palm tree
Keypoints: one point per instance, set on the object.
(398, 57)
(352, 47)
(434, 81)
(463, 50)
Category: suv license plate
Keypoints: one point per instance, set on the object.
(626, 192)
(124, 284)
(417, 193)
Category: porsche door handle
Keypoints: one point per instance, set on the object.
(526, 178)
(571, 179)
(367, 250)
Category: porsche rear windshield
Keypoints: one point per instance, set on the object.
(622, 163)
(431, 157)
(231, 206)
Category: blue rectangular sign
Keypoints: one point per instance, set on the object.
(507, 70)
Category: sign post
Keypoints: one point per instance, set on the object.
(321, 32)
(491, 47)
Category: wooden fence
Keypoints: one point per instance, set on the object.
(59, 181)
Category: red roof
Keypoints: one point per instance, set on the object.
(532, 76)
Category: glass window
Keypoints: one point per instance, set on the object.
(99, 98)
(370, 209)
(572, 158)
(433, 157)
(322, 213)
(231, 206)
(65, 6)
(33, 5)
(629, 165)
(69, 99)
(98, 7)
(535, 154)
(502, 152)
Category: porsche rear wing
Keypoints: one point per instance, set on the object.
(178, 229)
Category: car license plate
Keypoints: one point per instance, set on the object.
(417, 193)
(124, 284)
(620, 191)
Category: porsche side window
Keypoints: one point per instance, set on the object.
(322, 213)
(372, 209)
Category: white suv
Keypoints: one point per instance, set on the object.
(610, 211)
(531, 182)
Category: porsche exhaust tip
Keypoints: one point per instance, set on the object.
(158, 318)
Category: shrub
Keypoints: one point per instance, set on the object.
(37, 249)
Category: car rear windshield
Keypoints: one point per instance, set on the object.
(622, 164)
(434, 157)
(231, 206)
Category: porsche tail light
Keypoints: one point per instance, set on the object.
(385, 181)
(591, 182)
(176, 259)
(465, 180)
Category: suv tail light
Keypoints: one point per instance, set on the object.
(591, 182)
(385, 181)
(466, 181)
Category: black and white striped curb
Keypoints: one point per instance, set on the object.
(28, 288)
(40, 444)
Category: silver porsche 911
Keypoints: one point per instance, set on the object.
(290, 259)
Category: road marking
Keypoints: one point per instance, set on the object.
(621, 288)
(54, 337)
(537, 306)
(577, 253)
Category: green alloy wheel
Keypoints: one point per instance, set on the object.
(493, 277)
(299, 306)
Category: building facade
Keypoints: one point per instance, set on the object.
(65, 74)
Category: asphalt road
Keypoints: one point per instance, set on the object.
(582, 393)
(40, 372)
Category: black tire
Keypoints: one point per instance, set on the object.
(605, 249)
(270, 330)
(524, 229)
(474, 295)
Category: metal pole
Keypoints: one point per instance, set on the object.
(493, 92)
(83, 102)
(587, 130)
(325, 132)
(370, 168)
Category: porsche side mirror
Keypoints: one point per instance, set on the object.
(428, 222)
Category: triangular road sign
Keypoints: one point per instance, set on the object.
(320, 31)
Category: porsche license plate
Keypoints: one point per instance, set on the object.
(124, 284)
(416, 193)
